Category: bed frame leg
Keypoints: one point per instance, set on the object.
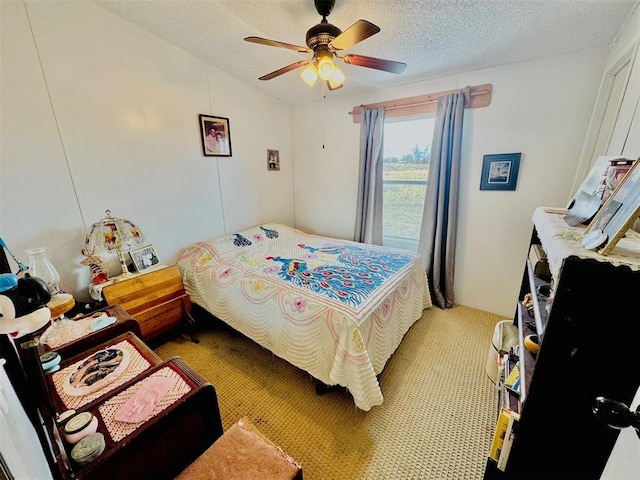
(189, 323)
(322, 388)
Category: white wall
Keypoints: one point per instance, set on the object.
(540, 108)
(98, 114)
(615, 122)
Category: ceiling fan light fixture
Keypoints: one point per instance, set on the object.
(324, 40)
(309, 75)
(337, 78)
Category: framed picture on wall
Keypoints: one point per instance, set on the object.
(273, 160)
(215, 135)
(144, 258)
(500, 171)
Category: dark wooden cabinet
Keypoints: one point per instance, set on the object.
(590, 347)
(183, 424)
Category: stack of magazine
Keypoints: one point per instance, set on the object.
(509, 417)
(503, 437)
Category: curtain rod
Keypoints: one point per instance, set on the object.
(480, 96)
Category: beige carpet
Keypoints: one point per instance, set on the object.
(436, 421)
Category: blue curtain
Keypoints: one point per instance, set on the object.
(368, 227)
(440, 214)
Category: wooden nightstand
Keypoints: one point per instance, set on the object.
(157, 300)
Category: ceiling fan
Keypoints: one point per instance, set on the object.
(327, 41)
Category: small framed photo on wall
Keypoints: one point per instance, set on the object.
(500, 171)
(273, 160)
(215, 135)
(144, 258)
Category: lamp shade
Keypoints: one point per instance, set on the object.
(337, 78)
(310, 75)
(113, 234)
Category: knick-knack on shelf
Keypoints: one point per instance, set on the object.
(98, 273)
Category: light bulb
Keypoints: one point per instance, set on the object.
(325, 65)
(309, 75)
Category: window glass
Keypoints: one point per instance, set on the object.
(407, 151)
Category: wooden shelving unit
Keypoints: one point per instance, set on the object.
(590, 346)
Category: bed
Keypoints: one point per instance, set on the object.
(334, 308)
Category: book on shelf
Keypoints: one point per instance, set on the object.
(499, 433)
(513, 378)
(509, 436)
(503, 374)
(503, 367)
(509, 399)
(515, 388)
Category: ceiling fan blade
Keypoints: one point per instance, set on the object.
(275, 43)
(377, 63)
(286, 69)
(356, 33)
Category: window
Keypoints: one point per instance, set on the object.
(407, 151)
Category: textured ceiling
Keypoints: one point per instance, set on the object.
(434, 37)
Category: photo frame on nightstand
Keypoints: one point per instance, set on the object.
(144, 258)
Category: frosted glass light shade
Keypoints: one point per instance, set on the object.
(40, 266)
(325, 67)
(337, 78)
(309, 75)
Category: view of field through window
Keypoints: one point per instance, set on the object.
(407, 151)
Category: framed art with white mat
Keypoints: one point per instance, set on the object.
(619, 212)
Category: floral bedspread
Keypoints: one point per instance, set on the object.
(334, 308)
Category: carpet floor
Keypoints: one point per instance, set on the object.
(436, 421)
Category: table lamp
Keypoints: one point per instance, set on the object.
(114, 234)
